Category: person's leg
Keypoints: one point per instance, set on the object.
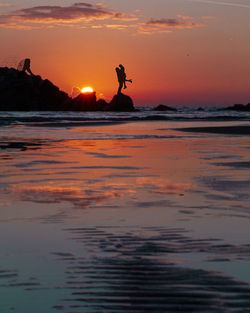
(29, 71)
(120, 88)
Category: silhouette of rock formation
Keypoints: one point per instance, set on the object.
(121, 103)
(87, 102)
(22, 92)
(162, 107)
(84, 102)
(238, 107)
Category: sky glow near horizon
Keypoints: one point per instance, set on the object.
(176, 51)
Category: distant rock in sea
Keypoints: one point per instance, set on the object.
(162, 107)
(238, 107)
(22, 92)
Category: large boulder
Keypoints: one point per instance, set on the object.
(162, 107)
(121, 103)
(22, 92)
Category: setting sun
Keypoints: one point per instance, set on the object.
(87, 90)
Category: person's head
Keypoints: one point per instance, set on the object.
(27, 62)
(121, 67)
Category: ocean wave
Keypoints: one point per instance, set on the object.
(76, 119)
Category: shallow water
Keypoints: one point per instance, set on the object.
(115, 216)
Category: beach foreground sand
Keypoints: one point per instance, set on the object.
(124, 217)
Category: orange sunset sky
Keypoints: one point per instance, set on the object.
(178, 52)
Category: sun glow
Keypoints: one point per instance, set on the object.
(87, 90)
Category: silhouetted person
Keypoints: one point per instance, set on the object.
(24, 66)
(122, 78)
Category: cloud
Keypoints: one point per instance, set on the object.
(84, 14)
(16, 26)
(224, 3)
(84, 4)
(208, 17)
(185, 17)
(50, 14)
(167, 25)
(118, 26)
(172, 23)
(4, 5)
(124, 17)
(145, 29)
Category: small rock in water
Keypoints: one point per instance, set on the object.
(162, 107)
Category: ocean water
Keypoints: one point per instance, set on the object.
(124, 212)
(143, 114)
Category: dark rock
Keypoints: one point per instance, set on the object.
(121, 103)
(238, 107)
(200, 109)
(87, 102)
(84, 102)
(22, 92)
(101, 105)
(162, 107)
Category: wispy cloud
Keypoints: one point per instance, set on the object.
(173, 23)
(124, 17)
(4, 5)
(224, 3)
(119, 26)
(93, 16)
(208, 17)
(50, 14)
(169, 24)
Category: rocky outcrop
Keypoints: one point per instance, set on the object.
(238, 107)
(162, 107)
(22, 92)
(87, 102)
(84, 102)
(121, 103)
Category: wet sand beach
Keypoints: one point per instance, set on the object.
(124, 217)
